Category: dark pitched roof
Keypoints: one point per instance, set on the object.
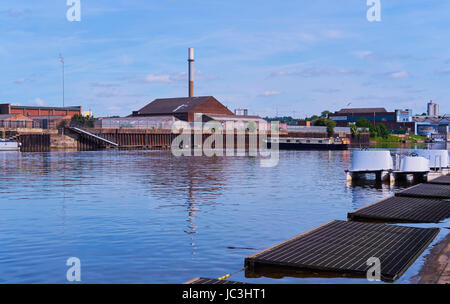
(362, 110)
(173, 105)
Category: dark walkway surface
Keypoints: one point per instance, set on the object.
(436, 191)
(444, 180)
(404, 210)
(345, 248)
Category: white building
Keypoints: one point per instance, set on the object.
(432, 109)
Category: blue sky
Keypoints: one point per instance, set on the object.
(286, 57)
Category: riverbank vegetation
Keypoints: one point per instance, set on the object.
(381, 134)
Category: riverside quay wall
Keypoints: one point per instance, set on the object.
(126, 139)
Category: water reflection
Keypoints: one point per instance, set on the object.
(147, 216)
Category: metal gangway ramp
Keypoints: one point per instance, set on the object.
(93, 136)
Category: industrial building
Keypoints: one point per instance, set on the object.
(394, 121)
(14, 116)
(433, 127)
(13, 121)
(184, 108)
(7, 108)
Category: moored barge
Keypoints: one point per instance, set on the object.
(293, 143)
(9, 145)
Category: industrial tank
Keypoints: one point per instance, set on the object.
(372, 161)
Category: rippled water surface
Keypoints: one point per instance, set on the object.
(149, 217)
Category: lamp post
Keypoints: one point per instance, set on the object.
(61, 58)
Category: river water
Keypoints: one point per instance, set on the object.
(150, 217)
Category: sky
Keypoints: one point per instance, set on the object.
(287, 57)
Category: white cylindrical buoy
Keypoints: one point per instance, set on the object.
(372, 161)
(414, 164)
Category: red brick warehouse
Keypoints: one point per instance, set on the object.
(7, 108)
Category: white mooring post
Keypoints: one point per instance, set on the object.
(385, 176)
(349, 176)
(392, 178)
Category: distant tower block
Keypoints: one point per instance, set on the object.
(432, 109)
(191, 72)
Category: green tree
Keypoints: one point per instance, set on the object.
(82, 121)
(312, 118)
(363, 123)
(382, 130)
(325, 113)
(330, 124)
(354, 129)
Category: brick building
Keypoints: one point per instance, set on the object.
(184, 108)
(39, 111)
(14, 121)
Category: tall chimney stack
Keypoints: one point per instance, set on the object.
(191, 72)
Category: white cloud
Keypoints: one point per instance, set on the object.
(445, 70)
(363, 54)
(39, 102)
(15, 13)
(157, 78)
(126, 59)
(175, 77)
(270, 93)
(398, 75)
(317, 72)
(114, 108)
(334, 34)
(19, 81)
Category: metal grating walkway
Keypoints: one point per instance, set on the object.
(405, 210)
(443, 180)
(211, 281)
(344, 248)
(427, 191)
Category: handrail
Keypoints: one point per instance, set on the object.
(95, 136)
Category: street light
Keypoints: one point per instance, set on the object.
(61, 58)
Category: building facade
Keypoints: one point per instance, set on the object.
(394, 121)
(136, 122)
(433, 127)
(7, 108)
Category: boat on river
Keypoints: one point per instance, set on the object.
(9, 145)
(294, 143)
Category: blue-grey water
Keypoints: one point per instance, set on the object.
(150, 217)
